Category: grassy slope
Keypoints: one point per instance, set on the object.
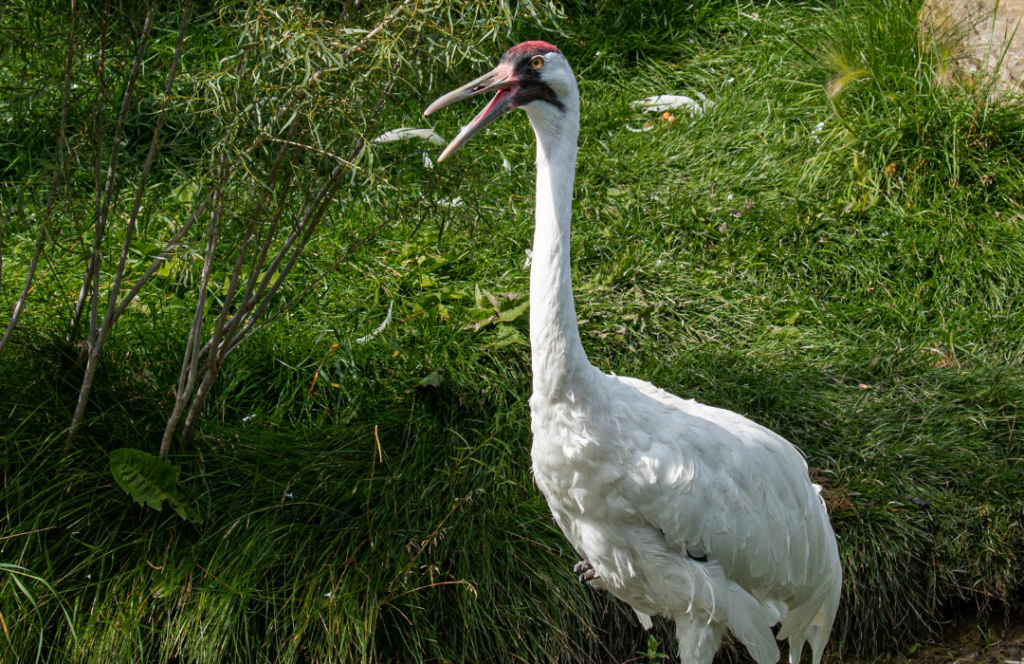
(363, 517)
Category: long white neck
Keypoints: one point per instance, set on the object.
(559, 361)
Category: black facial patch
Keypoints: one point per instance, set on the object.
(529, 92)
(531, 86)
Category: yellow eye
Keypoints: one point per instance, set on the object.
(537, 62)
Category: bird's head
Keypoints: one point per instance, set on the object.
(532, 75)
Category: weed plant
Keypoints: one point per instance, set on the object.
(832, 249)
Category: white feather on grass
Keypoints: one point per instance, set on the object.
(380, 328)
(662, 103)
(408, 133)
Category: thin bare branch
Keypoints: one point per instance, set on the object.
(190, 362)
(20, 305)
(51, 200)
(160, 259)
(140, 191)
(93, 270)
(213, 363)
(301, 234)
(225, 330)
(248, 300)
(216, 355)
(230, 347)
(344, 162)
(96, 338)
(223, 327)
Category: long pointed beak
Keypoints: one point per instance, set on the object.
(501, 78)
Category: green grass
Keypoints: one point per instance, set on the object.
(857, 288)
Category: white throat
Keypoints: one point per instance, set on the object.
(559, 361)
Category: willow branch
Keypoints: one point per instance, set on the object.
(317, 75)
(140, 191)
(190, 362)
(189, 365)
(92, 271)
(51, 200)
(40, 240)
(95, 338)
(160, 259)
(213, 362)
(301, 234)
(225, 327)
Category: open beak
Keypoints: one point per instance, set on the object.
(501, 78)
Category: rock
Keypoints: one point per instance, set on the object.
(981, 36)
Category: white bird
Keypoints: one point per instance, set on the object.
(679, 509)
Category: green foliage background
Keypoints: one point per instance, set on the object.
(833, 249)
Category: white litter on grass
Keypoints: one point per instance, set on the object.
(505, 166)
(454, 202)
(407, 133)
(637, 131)
(529, 257)
(426, 161)
(817, 130)
(380, 328)
(662, 103)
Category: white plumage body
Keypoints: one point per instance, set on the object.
(681, 509)
(636, 477)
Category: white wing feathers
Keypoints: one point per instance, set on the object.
(712, 479)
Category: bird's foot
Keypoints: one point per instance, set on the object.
(586, 571)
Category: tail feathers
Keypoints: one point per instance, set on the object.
(800, 617)
(749, 623)
(812, 623)
(818, 632)
(796, 648)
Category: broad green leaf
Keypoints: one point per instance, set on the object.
(150, 481)
(514, 313)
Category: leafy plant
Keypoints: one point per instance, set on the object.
(654, 653)
(150, 480)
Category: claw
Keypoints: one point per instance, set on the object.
(588, 573)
